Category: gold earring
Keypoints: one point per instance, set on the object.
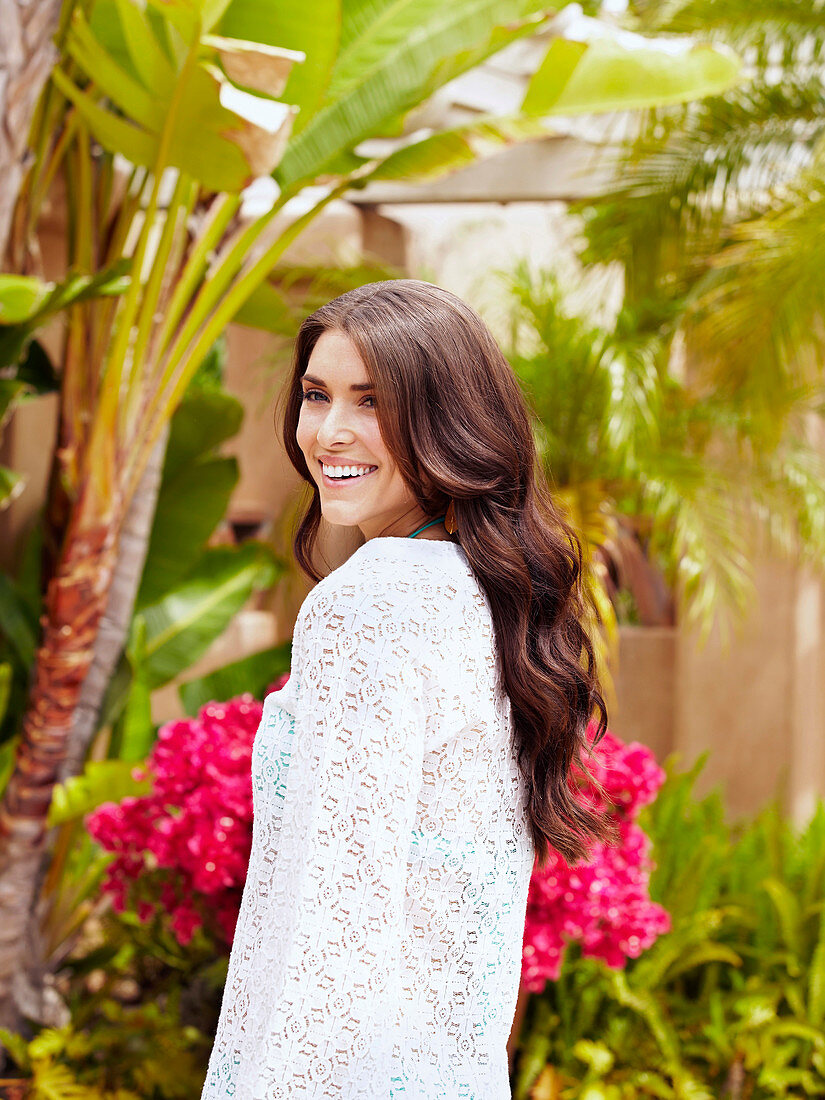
(449, 520)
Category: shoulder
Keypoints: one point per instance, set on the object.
(392, 591)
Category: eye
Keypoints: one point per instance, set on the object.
(307, 395)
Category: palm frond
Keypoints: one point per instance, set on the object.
(783, 32)
(691, 171)
(757, 315)
(703, 537)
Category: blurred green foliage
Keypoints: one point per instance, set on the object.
(729, 1005)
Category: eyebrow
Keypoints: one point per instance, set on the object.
(359, 386)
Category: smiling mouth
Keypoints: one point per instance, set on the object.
(336, 481)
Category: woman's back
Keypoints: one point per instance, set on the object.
(378, 947)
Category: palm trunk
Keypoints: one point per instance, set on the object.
(88, 610)
(75, 604)
(114, 626)
(26, 59)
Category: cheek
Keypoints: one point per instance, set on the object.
(305, 431)
(371, 437)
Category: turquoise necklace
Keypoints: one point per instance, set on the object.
(426, 525)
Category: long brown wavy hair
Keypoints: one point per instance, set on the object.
(453, 416)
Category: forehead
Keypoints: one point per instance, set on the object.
(336, 358)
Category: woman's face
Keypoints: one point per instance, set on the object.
(338, 425)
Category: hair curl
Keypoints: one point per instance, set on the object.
(453, 416)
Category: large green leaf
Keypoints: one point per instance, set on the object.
(267, 309)
(182, 626)
(376, 32)
(101, 781)
(10, 390)
(20, 297)
(449, 150)
(6, 675)
(190, 506)
(27, 306)
(200, 424)
(215, 145)
(128, 38)
(293, 291)
(609, 74)
(195, 490)
(313, 26)
(251, 674)
(129, 94)
(389, 66)
(15, 621)
(11, 485)
(135, 731)
(191, 16)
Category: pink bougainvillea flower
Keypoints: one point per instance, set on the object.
(192, 834)
(603, 904)
(184, 848)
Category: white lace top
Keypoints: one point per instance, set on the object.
(378, 947)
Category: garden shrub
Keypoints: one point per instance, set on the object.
(727, 1005)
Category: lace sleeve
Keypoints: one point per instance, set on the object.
(353, 787)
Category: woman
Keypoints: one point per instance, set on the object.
(417, 760)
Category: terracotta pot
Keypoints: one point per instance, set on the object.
(14, 1088)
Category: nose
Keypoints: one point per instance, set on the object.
(335, 426)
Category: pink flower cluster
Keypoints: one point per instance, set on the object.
(603, 904)
(185, 846)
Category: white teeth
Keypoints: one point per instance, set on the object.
(346, 471)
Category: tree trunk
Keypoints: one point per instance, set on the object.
(81, 646)
(27, 55)
(75, 603)
(114, 626)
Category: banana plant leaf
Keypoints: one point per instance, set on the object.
(199, 425)
(379, 66)
(575, 77)
(182, 625)
(11, 485)
(195, 489)
(15, 622)
(6, 673)
(101, 781)
(625, 72)
(313, 26)
(392, 57)
(135, 733)
(222, 146)
(27, 302)
(252, 674)
(191, 16)
(293, 291)
(190, 505)
(449, 150)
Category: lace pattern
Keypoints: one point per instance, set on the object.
(378, 947)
